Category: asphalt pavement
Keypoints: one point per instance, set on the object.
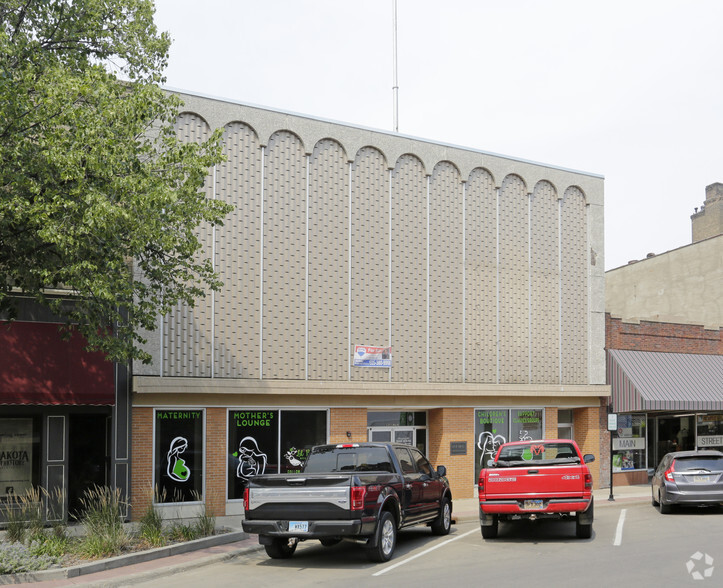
(143, 566)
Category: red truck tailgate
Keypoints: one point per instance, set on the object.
(542, 481)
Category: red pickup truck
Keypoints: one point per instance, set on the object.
(534, 480)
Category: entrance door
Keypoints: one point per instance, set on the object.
(88, 456)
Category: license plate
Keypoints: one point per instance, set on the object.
(701, 479)
(532, 505)
(298, 526)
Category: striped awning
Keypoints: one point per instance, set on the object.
(646, 381)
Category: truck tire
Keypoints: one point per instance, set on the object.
(443, 523)
(583, 523)
(386, 540)
(281, 548)
(490, 531)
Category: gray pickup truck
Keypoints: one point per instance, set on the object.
(363, 492)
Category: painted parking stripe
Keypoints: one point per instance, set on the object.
(425, 552)
(619, 532)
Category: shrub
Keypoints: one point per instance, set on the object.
(102, 515)
(16, 558)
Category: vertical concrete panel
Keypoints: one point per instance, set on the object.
(284, 287)
(481, 278)
(238, 256)
(446, 275)
(574, 285)
(328, 262)
(514, 282)
(409, 271)
(370, 257)
(187, 344)
(545, 288)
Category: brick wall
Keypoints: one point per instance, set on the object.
(343, 420)
(216, 462)
(444, 426)
(665, 337)
(141, 461)
(586, 422)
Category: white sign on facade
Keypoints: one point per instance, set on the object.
(627, 443)
(16, 456)
(710, 440)
(367, 356)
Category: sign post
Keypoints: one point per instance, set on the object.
(612, 427)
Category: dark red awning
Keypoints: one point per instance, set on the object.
(38, 367)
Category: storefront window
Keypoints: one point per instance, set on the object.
(493, 427)
(629, 443)
(270, 441)
(710, 431)
(179, 452)
(19, 456)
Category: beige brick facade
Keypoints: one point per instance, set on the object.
(483, 273)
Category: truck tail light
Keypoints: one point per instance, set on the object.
(588, 481)
(357, 497)
(481, 486)
(246, 498)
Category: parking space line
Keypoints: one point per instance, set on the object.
(425, 552)
(619, 531)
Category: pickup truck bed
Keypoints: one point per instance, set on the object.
(534, 480)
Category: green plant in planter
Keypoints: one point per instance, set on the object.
(102, 514)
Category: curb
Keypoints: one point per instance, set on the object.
(126, 560)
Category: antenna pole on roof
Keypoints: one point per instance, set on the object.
(395, 87)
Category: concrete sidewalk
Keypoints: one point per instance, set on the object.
(144, 566)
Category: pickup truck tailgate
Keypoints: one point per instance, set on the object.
(559, 481)
(278, 497)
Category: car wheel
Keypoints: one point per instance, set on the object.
(443, 523)
(655, 502)
(491, 531)
(386, 539)
(584, 530)
(329, 541)
(664, 508)
(281, 547)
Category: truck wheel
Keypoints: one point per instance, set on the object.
(386, 539)
(584, 530)
(490, 531)
(281, 547)
(443, 523)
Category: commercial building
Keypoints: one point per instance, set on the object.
(665, 349)
(375, 286)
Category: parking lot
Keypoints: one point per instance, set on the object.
(632, 544)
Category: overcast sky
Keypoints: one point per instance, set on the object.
(631, 90)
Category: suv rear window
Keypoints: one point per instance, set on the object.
(348, 459)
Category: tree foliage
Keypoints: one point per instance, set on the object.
(95, 185)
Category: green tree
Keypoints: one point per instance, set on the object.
(95, 185)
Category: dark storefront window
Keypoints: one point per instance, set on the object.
(19, 456)
(179, 452)
(495, 426)
(270, 441)
(629, 444)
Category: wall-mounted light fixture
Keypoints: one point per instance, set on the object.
(348, 434)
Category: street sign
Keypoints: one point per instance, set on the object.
(612, 422)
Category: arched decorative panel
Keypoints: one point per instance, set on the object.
(284, 251)
(481, 278)
(328, 262)
(409, 271)
(514, 282)
(370, 257)
(446, 274)
(545, 285)
(187, 331)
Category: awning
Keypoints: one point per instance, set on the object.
(38, 367)
(646, 381)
